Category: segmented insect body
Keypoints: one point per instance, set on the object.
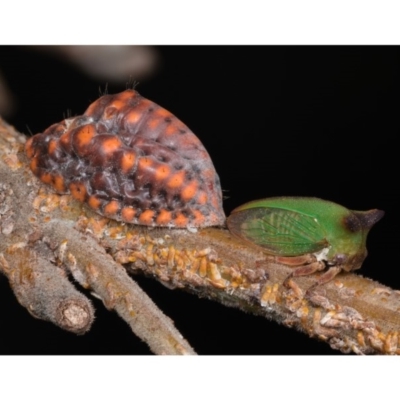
(294, 226)
(130, 160)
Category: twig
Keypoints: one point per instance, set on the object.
(45, 292)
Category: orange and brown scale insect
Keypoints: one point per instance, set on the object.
(131, 160)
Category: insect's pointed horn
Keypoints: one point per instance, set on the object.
(369, 218)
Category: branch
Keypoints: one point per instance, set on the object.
(351, 313)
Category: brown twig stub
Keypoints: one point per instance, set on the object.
(44, 290)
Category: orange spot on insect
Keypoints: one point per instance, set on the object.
(144, 163)
(85, 135)
(198, 217)
(202, 198)
(59, 183)
(65, 138)
(92, 108)
(162, 172)
(176, 180)
(110, 145)
(170, 129)
(164, 217)
(153, 123)
(181, 221)
(128, 214)
(111, 208)
(188, 140)
(126, 95)
(117, 104)
(128, 161)
(163, 113)
(146, 103)
(189, 191)
(46, 178)
(133, 117)
(52, 146)
(146, 217)
(78, 190)
(94, 202)
(29, 149)
(33, 165)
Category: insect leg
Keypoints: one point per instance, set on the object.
(325, 278)
(305, 270)
(296, 261)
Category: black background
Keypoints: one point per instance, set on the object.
(305, 121)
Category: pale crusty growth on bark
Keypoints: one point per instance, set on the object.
(59, 235)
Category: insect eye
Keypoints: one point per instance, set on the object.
(352, 223)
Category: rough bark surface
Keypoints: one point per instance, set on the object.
(45, 237)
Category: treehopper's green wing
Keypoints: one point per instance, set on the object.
(279, 231)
